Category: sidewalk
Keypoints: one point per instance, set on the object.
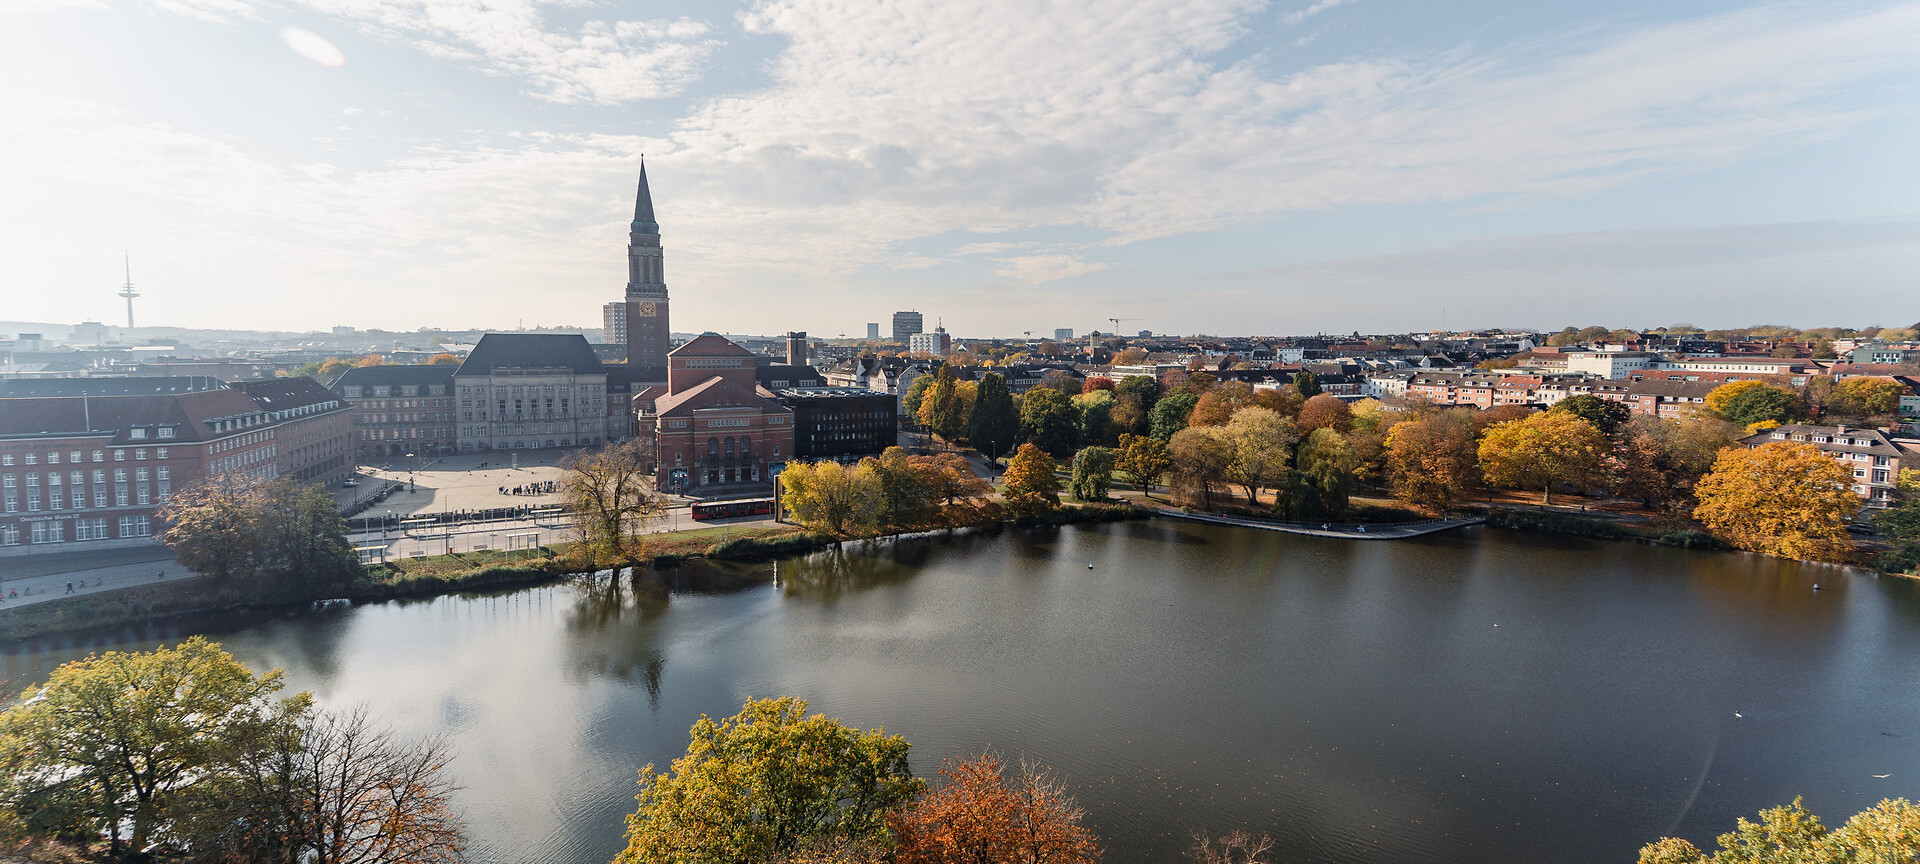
(53, 586)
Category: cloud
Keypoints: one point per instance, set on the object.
(1293, 18)
(30, 7)
(1034, 269)
(600, 62)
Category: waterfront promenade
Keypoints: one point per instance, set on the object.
(1338, 530)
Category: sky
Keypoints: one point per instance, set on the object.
(1002, 166)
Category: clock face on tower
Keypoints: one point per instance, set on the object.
(646, 310)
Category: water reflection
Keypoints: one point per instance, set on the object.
(610, 625)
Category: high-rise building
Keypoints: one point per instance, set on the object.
(873, 330)
(1062, 334)
(613, 324)
(647, 333)
(906, 324)
(797, 348)
(936, 343)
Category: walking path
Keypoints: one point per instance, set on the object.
(1341, 530)
(53, 586)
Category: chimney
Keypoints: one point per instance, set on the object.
(797, 348)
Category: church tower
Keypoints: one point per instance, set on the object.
(648, 336)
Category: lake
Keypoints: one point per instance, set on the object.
(1474, 696)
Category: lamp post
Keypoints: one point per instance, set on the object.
(413, 465)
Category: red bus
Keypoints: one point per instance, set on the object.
(729, 509)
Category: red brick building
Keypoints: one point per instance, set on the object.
(90, 460)
(712, 426)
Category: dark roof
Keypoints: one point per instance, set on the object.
(187, 413)
(393, 376)
(710, 344)
(285, 394)
(643, 203)
(26, 388)
(532, 351)
(622, 378)
(767, 373)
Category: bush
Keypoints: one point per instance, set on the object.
(1548, 522)
(1904, 559)
(746, 548)
(1689, 539)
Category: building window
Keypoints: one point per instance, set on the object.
(9, 535)
(119, 455)
(99, 455)
(160, 454)
(135, 526)
(137, 434)
(33, 458)
(164, 432)
(49, 532)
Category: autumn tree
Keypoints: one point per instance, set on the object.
(370, 360)
(994, 424)
(952, 478)
(1543, 450)
(332, 369)
(1233, 847)
(766, 784)
(1432, 458)
(1886, 833)
(830, 498)
(981, 816)
(1048, 420)
(1262, 444)
(1325, 412)
(1130, 357)
(1143, 460)
(1092, 473)
(1606, 415)
(1780, 498)
(368, 797)
(1200, 457)
(1097, 382)
(1746, 402)
(282, 537)
(909, 492)
(1866, 397)
(916, 395)
(610, 494)
(111, 742)
(1032, 486)
(1657, 461)
(1169, 415)
(444, 359)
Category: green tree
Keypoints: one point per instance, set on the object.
(1306, 384)
(210, 528)
(113, 741)
(909, 493)
(1145, 388)
(1143, 459)
(916, 395)
(1032, 486)
(1096, 416)
(1747, 402)
(767, 784)
(1606, 415)
(1541, 451)
(611, 496)
(940, 409)
(1780, 498)
(1326, 471)
(1170, 413)
(283, 537)
(1092, 473)
(1049, 421)
(994, 424)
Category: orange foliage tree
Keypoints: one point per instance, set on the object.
(982, 815)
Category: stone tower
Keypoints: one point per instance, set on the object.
(648, 336)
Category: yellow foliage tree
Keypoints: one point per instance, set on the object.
(1780, 498)
(843, 500)
(1543, 449)
(1031, 484)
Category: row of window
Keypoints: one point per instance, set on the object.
(83, 530)
(388, 390)
(11, 496)
(409, 434)
(74, 456)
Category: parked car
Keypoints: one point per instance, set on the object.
(349, 482)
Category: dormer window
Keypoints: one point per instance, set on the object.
(164, 432)
(137, 434)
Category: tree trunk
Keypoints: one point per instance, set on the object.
(1546, 495)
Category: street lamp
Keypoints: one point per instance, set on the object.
(412, 466)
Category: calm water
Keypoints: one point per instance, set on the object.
(1473, 697)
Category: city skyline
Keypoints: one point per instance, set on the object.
(1222, 167)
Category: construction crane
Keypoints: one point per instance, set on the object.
(1116, 324)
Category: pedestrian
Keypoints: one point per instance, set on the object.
(69, 587)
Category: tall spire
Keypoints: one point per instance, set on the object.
(128, 292)
(643, 203)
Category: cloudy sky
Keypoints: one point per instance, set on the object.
(1221, 166)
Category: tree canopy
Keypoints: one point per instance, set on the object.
(1747, 402)
(1092, 473)
(1606, 415)
(1886, 833)
(611, 496)
(1555, 447)
(766, 784)
(982, 816)
(1048, 420)
(1031, 483)
(993, 424)
(1780, 498)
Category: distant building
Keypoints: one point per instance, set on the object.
(88, 334)
(343, 331)
(520, 391)
(710, 428)
(1145, 334)
(906, 324)
(643, 321)
(400, 409)
(1608, 364)
(1062, 334)
(937, 343)
(873, 330)
(797, 348)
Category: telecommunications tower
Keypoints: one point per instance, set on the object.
(128, 292)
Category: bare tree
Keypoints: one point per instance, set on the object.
(375, 800)
(612, 498)
(1233, 847)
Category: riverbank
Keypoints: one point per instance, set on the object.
(458, 573)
